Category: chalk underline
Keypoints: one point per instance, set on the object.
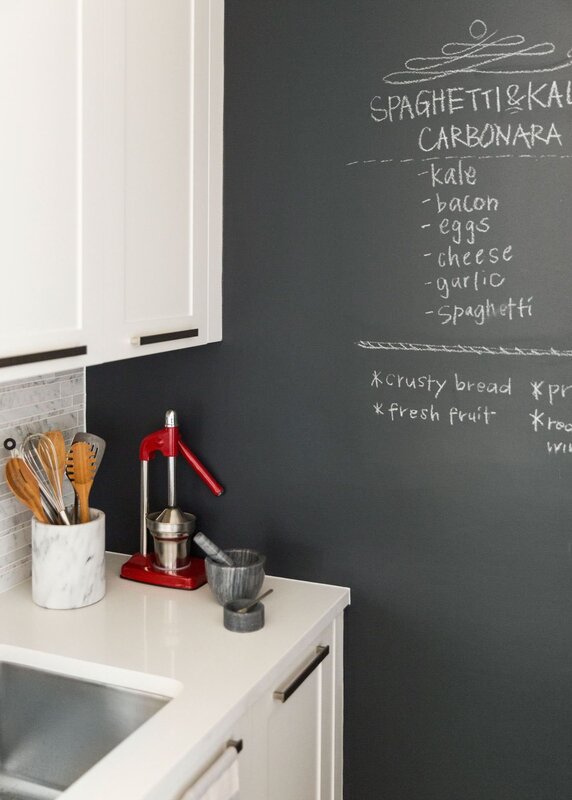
(489, 350)
(453, 158)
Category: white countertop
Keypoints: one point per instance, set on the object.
(172, 634)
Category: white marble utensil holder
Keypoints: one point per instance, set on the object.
(68, 563)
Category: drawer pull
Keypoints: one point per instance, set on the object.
(283, 694)
(48, 355)
(156, 338)
(222, 771)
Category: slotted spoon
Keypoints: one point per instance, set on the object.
(97, 445)
(81, 471)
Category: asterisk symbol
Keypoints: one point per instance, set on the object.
(537, 419)
(378, 408)
(536, 393)
(377, 380)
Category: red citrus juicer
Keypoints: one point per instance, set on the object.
(170, 564)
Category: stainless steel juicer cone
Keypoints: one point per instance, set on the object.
(171, 530)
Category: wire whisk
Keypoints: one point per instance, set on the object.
(40, 454)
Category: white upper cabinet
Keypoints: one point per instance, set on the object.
(111, 190)
(51, 240)
(163, 152)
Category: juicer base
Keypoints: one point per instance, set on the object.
(143, 569)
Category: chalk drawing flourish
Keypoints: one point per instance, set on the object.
(479, 350)
(483, 55)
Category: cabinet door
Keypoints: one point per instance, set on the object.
(202, 757)
(299, 739)
(51, 57)
(164, 90)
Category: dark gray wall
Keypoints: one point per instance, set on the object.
(455, 542)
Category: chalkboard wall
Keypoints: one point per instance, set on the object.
(385, 411)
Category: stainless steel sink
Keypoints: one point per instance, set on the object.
(54, 727)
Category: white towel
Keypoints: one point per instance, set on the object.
(219, 782)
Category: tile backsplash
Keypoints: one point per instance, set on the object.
(47, 402)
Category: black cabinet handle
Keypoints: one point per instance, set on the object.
(48, 355)
(155, 338)
(283, 694)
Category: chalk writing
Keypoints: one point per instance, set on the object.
(542, 420)
(420, 382)
(511, 99)
(396, 411)
(490, 134)
(546, 423)
(552, 391)
(463, 231)
(435, 385)
(473, 282)
(464, 384)
(465, 204)
(470, 271)
(562, 448)
(448, 404)
(451, 257)
(480, 414)
(480, 313)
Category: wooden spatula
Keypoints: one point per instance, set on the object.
(80, 471)
(25, 487)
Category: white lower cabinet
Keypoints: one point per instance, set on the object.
(294, 728)
(176, 785)
(292, 733)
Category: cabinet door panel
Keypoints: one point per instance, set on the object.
(298, 742)
(40, 202)
(294, 755)
(164, 174)
(202, 757)
(49, 140)
(158, 167)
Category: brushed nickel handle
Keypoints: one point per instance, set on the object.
(284, 693)
(156, 338)
(48, 355)
(205, 782)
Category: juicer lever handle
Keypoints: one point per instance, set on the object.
(163, 441)
(167, 441)
(200, 469)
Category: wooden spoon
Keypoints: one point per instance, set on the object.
(25, 487)
(80, 471)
